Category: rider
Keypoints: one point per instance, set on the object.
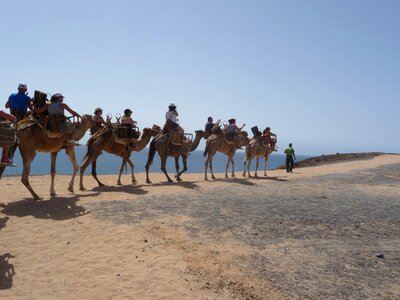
(5, 158)
(56, 109)
(97, 117)
(269, 137)
(209, 126)
(127, 120)
(232, 130)
(18, 103)
(172, 116)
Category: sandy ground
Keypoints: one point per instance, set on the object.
(312, 234)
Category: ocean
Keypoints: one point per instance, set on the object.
(110, 164)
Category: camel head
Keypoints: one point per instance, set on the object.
(149, 132)
(200, 133)
(245, 139)
(156, 129)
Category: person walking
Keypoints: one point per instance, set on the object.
(19, 103)
(290, 157)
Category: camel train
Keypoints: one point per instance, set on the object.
(43, 133)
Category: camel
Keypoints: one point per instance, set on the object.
(104, 140)
(218, 142)
(256, 149)
(165, 148)
(34, 139)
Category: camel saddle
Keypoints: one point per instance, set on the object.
(29, 122)
(7, 135)
(123, 134)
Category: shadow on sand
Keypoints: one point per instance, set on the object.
(129, 189)
(6, 271)
(237, 180)
(274, 178)
(57, 208)
(185, 184)
(3, 222)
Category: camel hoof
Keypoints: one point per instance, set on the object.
(101, 184)
(244, 174)
(119, 183)
(148, 181)
(70, 190)
(205, 178)
(213, 177)
(82, 189)
(255, 175)
(170, 180)
(53, 194)
(179, 179)
(233, 175)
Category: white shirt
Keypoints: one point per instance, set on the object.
(171, 115)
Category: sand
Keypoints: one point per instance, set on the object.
(315, 233)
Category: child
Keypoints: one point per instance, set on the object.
(5, 159)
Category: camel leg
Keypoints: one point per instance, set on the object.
(71, 154)
(121, 169)
(257, 162)
(244, 167)
(248, 167)
(184, 160)
(206, 164)
(82, 172)
(233, 166)
(211, 169)
(53, 172)
(132, 165)
(163, 168)
(226, 168)
(94, 173)
(266, 158)
(27, 161)
(177, 168)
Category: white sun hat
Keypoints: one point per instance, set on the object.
(58, 95)
(22, 86)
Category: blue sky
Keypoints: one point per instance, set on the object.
(322, 74)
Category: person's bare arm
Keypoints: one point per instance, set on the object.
(8, 104)
(72, 112)
(30, 105)
(42, 109)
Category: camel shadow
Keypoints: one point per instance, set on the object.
(3, 222)
(62, 208)
(243, 181)
(6, 271)
(185, 184)
(129, 189)
(274, 178)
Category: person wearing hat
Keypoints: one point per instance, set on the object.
(172, 116)
(98, 118)
(127, 118)
(5, 157)
(19, 103)
(56, 109)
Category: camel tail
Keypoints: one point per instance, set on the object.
(152, 152)
(205, 151)
(2, 170)
(88, 146)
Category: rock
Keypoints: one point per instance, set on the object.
(380, 255)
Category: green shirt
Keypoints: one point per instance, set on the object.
(289, 152)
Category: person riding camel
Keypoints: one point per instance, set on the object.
(270, 138)
(19, 103)
(56, 109)
(127, 121)
(232, 131)
(209, 126)
(172, 121)
(98, 119)
(5, 157)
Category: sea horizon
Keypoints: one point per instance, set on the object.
(108, 164)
